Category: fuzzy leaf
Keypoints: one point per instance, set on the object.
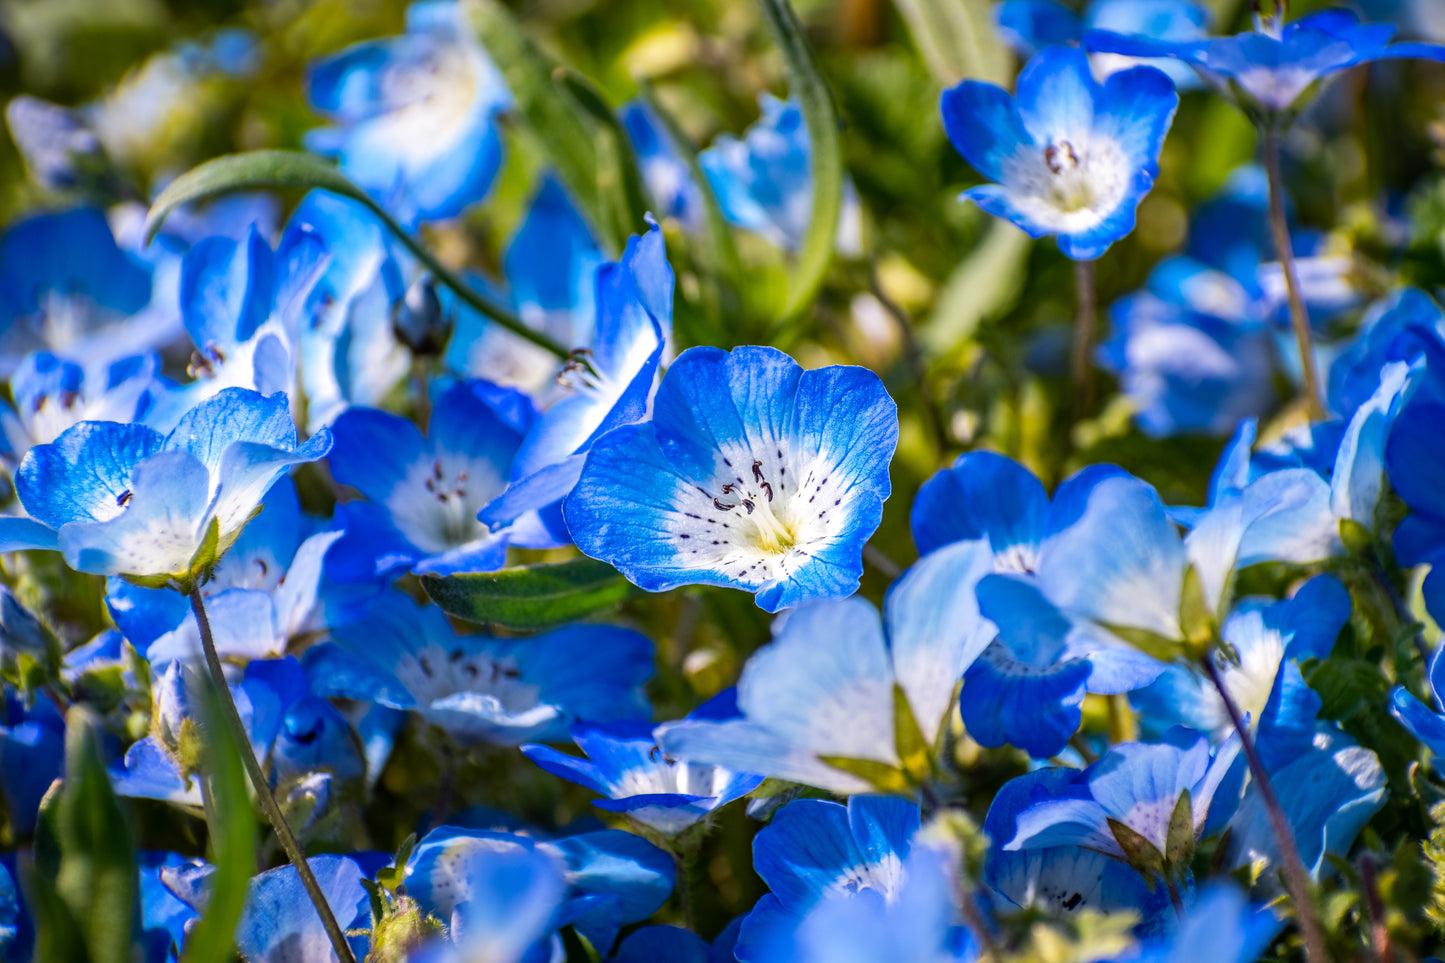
(532, 596)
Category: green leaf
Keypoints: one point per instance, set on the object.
(209, 551)
(821, 117)
(1140, 853)
(986, 283)
(1150, 643)
(232, 835)
(957, 39)
(552, 114)
(532, 596)
(880, 775)
(1179, 846)
(1356, 538)
(286, 168)
(96, 877)
(913, 749)
(394, 875)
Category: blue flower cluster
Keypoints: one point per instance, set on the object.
(466, 608)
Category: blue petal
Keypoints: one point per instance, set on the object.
(373, 451)
(984, 125)
(227, 290)
(1424, 724)
(1028, 26)
(983, 495)
(1036, 709)
(1056, 95)
(84, 474)
(280, 923)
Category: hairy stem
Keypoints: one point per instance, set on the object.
(1296, 877)
(1283, 248)
(1379, 931)
(1084, 324)
(263, 787)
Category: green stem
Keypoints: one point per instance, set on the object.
(1084, 324)
(263, 786)
(1296, 877)
(1284, 249)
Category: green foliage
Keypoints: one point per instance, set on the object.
(532, 596)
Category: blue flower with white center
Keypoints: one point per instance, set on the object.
(1062, 879)
(1406, 325)
(423, 492)
(1222, 926)
(764, 182)
(263, 593)
(1270, 641)
(120, 499)
(550, 267)
(66, 287)
(507, 691)
(801, 705)
(664, 172)
(1328, 792)
(1138, 785)
(52, 394)
(752, 473)
(625, 765)
(602, 388)
(611, 878)
(280, 924)
(1269, 71)
(815, 849)
(1068, 157)
(1424, 723)
(1029, 26)
(415, 115)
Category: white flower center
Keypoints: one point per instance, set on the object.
(436, 506)
(1069, 185)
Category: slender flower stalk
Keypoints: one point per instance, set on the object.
(1085, 322)
(1296, 878)
(1299, 317)
(263, 788)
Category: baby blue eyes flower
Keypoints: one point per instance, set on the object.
(752, 473)
(121, 499)
(1029, 26)
(625, 765)
(1068, 157)
(52, 394)
(415, 115)
(1268, 71)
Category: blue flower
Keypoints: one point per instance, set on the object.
(1062, 879)
(1270, 642)
(1029, 26)
(1406, 325)
(1412, 459)
(1268, 71)
(551, 271)
(122, 499)
(1068, 156)
(752, 473)
(1328, 793)
(66, 287)
(52, 394)
(813, 850)
(59, 148)
(664, 172)
(415, 114)
(1424, 723)
(280, 924)
(1137, 785)
(764, 182)
(611, 878)
(806, 712)
(263, 592)
(603, 388)
(625, 765)
(423, 493)
(508, 691)
(1222, 926)
(32, 756)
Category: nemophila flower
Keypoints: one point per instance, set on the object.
(1268, 642)
(1402, 327)
(415, 115)
(263, 592)
(603, 388)
(120, 499)
(66, 287)
(1270, 71)
(825, 715)
(764, 182)
(626, 766)
(1027, 686)
(664, 172)
(1413, 464)
(52, 394)
(915, 922)
(611, 878)
(1328, 793)
(1137, 786)
(60, 150)
(508, 691)
(654, 944)
(814, 849)
(280, 923)
(32, 756)
(752, 473)
(1062, 879)
(1424, 723)
(1068, 156)
(1029, 26)
(423, 492)
(1222, 925)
